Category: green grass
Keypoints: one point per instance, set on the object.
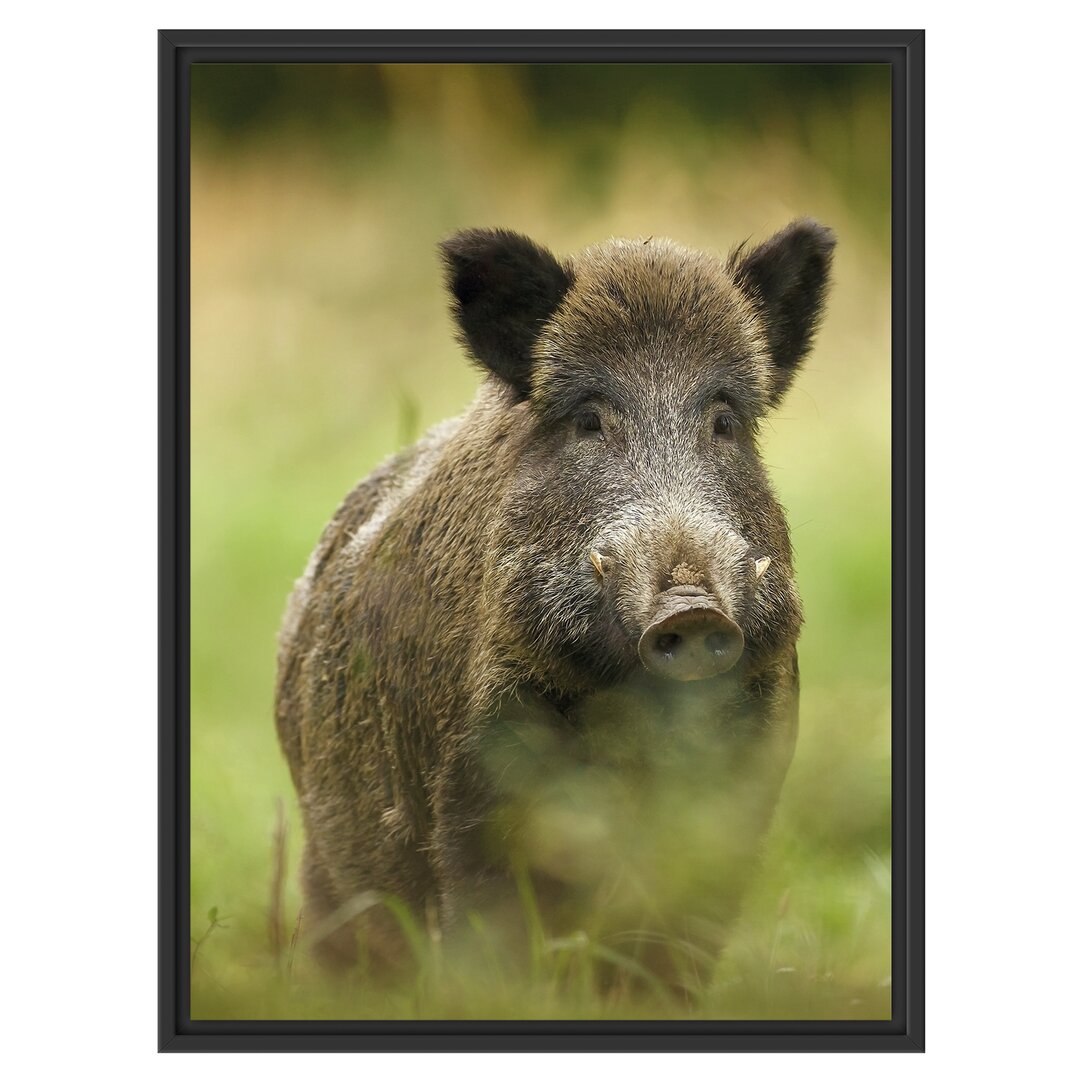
(320, 344)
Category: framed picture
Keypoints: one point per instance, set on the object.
(541, 540)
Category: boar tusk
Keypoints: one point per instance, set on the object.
(761, 566)
(598, 563)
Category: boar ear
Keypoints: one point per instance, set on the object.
(787, 277)
(504, 289)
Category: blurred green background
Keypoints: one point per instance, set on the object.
(321, 343)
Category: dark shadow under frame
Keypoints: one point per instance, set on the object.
(903, 50)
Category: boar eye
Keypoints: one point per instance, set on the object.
(725, 424)
(588, 422)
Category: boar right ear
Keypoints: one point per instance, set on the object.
(787, 277)
(504, 289)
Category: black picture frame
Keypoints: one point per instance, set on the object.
(903, 50)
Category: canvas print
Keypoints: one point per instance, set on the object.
(540, 542)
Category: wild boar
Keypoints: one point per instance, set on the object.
(557, 636)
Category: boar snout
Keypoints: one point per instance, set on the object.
(690, 637)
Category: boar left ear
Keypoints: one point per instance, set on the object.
(787, 277)
(504, 289)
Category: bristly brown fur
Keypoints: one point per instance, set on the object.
(457, 594)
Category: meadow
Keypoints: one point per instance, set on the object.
(322, 343)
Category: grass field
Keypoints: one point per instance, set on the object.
(321, 343)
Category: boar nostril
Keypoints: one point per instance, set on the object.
(693, 641)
